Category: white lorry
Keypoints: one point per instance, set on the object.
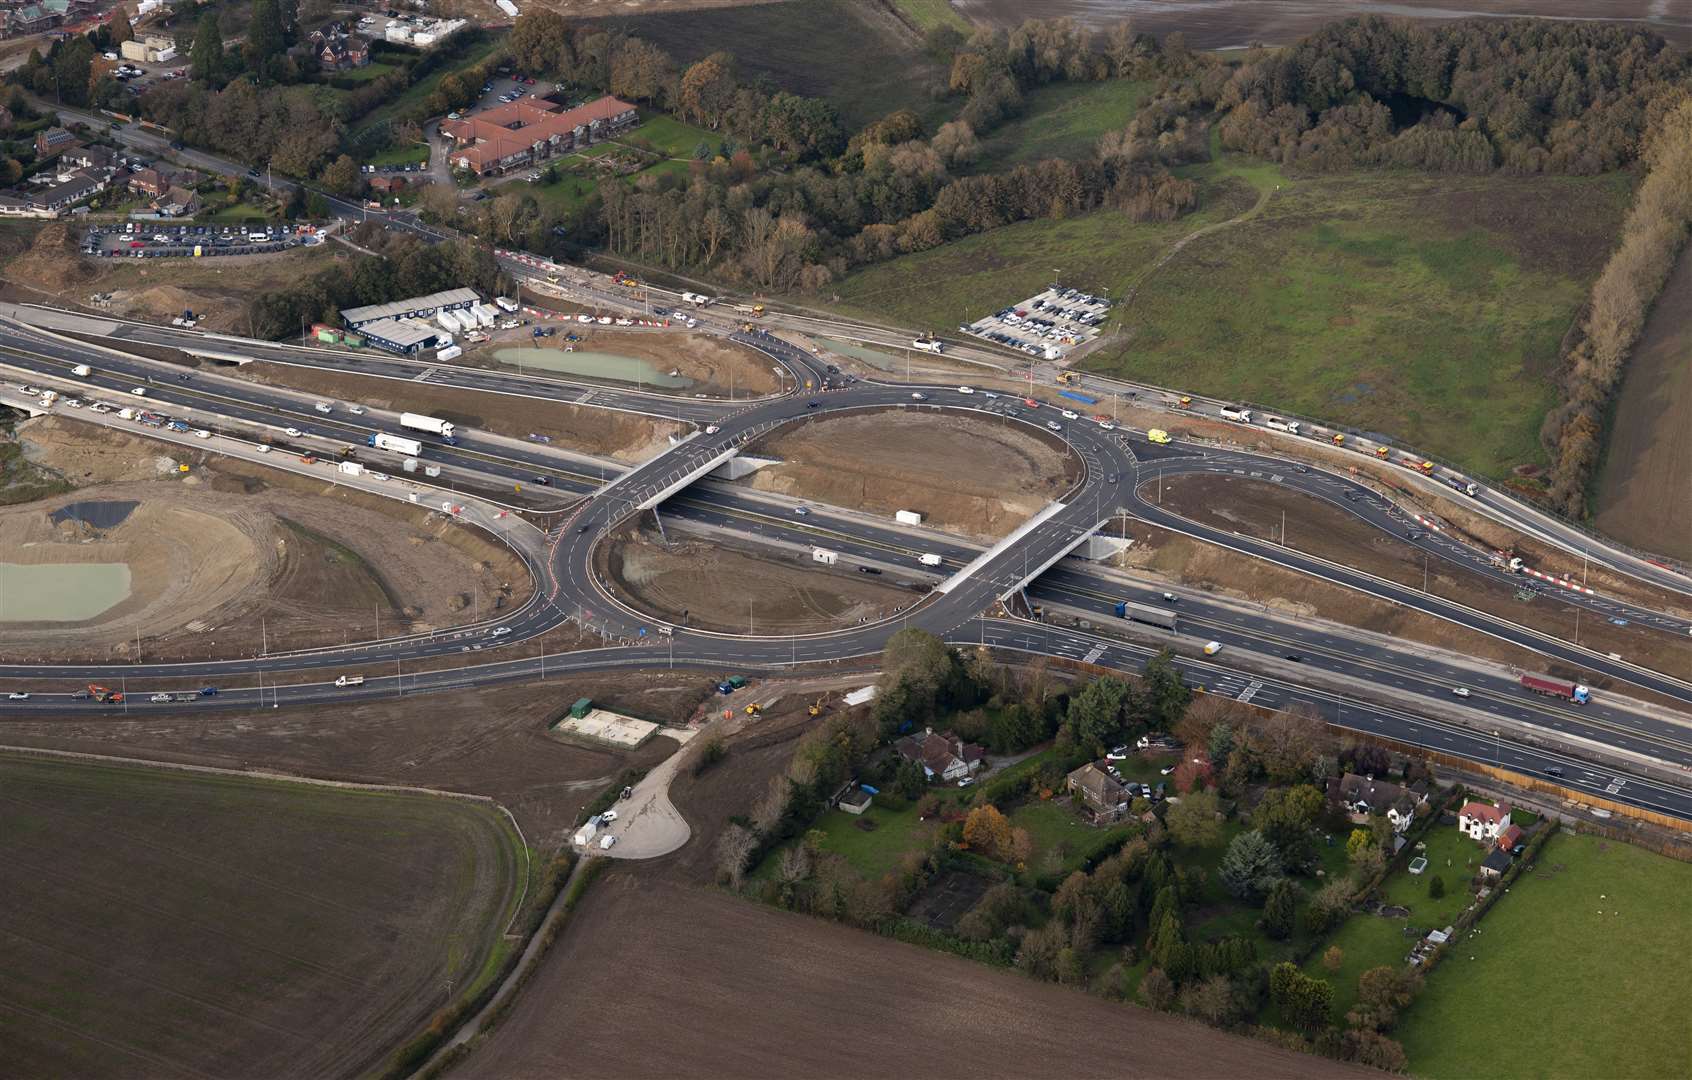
(1275, 423)
(928, 345)
(1238, 416)
(505, 303)
(907, 517)
(383, 441)
(419, 422)
(929, 560)
(82, 371)
(696, 299)
(350, 680)
(825, 556)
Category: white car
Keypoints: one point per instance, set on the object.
(605, 320)
(712, 429)
(966, 781)
(584, 318)
(356, 410)
(1461, 691)
(293, 432)
(608, 817)
(159, 698)
(499, 631)
(139, 391)
(73, 403)
(966, 390)
(918, 397)
(989, 395)
(202, 434)
(1107, 425)
(263, 448)
(607, 843)
(625, 321)
(1067, 415)
(17, 695)
(1119, 754)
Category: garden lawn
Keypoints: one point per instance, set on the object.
(877, 851)
(1062, 841)
(1584, 958)
(406, 154)
(234, 215)
(669, 136)
(1062, 120)
(1370, 941)
(1427, 309)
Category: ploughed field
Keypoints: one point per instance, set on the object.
(168, 923)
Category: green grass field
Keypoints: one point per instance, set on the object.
(925, 14)
(877, 851)
(171, 923)
(1580, 971)
(966, 279)
(1062, 120)
(854, 54)
(1431, 310)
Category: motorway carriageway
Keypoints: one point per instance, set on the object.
(492, 458)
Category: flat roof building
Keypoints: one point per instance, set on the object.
(421, 307)
(399, 335)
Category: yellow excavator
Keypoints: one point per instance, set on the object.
(815, 708)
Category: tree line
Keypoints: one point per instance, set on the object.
(1652, 237)
(402, 266)
(1521, 95)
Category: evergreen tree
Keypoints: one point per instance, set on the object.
(206, 57)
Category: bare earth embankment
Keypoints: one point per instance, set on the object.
(964, 473)
(1645, 491)
(231, 557)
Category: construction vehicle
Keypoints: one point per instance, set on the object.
(1185, 402)
(1339, 440)
(1237, 415)
(753, 709)
(815, 708)
(1382, 452)
(1066, 378)
(104, 694)
(754, 310)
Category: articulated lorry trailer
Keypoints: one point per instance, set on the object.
(383, 441)
(1557, 688)
(1145, 613)
(419, 422)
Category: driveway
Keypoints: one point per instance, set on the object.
(648, 824)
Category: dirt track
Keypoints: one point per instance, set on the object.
(231, 557)
(652, 978)
(964, 474)
(1643, 491)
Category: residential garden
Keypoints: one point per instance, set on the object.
(1279, 883)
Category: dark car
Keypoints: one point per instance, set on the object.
(543, 480)
(868, 570)
(1295, 658)
(583, 529)
(1554, 770)
(813, 403)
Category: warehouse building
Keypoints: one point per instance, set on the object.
(417, 307)
(400, 335)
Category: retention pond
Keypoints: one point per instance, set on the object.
(60, 592)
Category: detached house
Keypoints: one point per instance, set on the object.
(1479, 821)
(54, 141)
(943, 757)
(1362, 796)
(1101, 793)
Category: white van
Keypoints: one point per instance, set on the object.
(350, 680)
